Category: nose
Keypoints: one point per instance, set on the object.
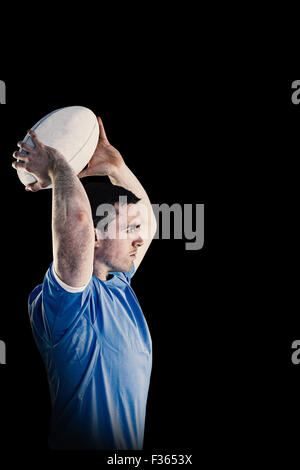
(138, 242)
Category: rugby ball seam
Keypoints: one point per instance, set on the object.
(82, 147)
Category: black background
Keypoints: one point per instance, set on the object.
(222, 319)
(163, 123)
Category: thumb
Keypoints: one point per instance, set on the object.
(84, 173)
(34, 138)
(102, 133)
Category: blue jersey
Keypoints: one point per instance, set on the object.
(97, 351)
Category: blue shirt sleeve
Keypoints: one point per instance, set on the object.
(54, 312)
(57, 311)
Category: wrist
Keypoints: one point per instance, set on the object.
(57, 165)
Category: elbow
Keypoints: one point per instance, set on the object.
(81, 222)
(82, 217)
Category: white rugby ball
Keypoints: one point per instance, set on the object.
(73, 131)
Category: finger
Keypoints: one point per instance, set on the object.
(34, 138)
(21, 156)
(102, 130)
(24, 146)
(33, 187)
(19, 165)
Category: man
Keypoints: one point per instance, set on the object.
(85, 317)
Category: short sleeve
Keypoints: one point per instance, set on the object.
(57, 311)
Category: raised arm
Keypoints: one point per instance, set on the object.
(72, 225)
(107, 161)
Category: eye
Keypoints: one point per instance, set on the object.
(133, 228)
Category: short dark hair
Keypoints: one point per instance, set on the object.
(106, 193)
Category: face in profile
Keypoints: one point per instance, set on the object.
(116, 246)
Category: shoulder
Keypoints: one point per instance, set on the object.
(54, 295)
(55, 311)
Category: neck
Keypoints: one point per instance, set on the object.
(101, 271)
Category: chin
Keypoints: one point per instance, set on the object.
(123, 268)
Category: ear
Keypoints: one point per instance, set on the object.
(97, 241)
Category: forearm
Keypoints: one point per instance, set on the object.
(68, 196)
(124, 177)
(72, 227)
